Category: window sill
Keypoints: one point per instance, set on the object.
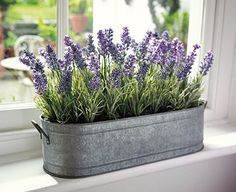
(28, 175)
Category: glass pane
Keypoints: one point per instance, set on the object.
(143, 15)
(172, 15)
(24, 24)
(81, 19)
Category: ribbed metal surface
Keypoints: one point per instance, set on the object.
(78, 150)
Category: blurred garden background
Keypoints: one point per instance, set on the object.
(31, 24)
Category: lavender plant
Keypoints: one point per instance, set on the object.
(116, 80)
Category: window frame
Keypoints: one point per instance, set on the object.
(16, 117)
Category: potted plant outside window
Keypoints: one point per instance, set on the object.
(117, 105)
(78, 18)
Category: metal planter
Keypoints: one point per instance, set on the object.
(78, 150)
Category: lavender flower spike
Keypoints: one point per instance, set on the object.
(206, 63)
(125, 38)
(90, 44)
(68, 56)
(50, 56)
(94, 66)
(68, 41)
(77, 52)
(37, 68)
(115, 78)
(40, 82)
(95, 82)
(66, 81)
(165, 35)
(143, 69)
(93, 63)
(129, 66)
(189, 61)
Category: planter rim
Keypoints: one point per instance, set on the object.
(125, 118)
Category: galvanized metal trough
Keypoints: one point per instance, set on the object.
(78, 150)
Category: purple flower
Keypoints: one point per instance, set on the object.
(50, 57)
(26, 58)
(90, 44)
(171, 55)
(117, 53)
(129, 66)
(78, 57)
(76, 51)
(144, 47)
(65, 81)
(68, 41)
(165, 35)
(105, 41)
(206, 63)
(109, 36)
(164, 48)
(93, 63)
(40, 82)
(68, 57)
(155, 52)
(101, 42)
(37, 68)
(155, 35)
(158, 52)
(174, 55)
(115, 78)
(94, 66)
(143, 69)
(30, 60)
(95, 82)
(134, 45)
(187, 66)
(141, 51)
(147, 38)
(181, 53)
(125, 38)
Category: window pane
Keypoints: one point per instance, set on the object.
(172, 16)
(81, 19)
(140, 16)
(24, 24)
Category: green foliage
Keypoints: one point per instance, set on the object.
(10, 40)
(6, 3)
(29, 2)
(82, 105)
(79, 6)
(82, 6)
(171, 5)
(47, 32)
(89, 14)
(174, 20)
(177, 24)
(21, 12)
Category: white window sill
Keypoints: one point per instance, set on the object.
(220, 141)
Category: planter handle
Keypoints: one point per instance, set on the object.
(41, 131)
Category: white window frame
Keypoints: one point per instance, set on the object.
(218, 34)
(16, 118)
